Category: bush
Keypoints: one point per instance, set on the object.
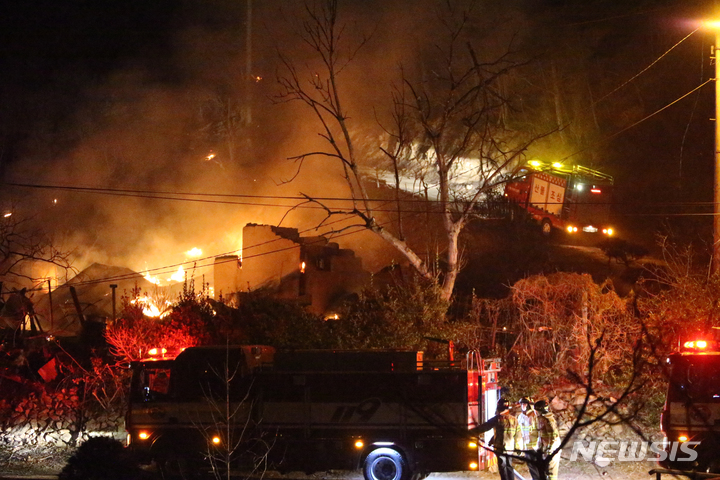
(409, 314)
(102, 458)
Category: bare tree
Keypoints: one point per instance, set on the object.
(231, 431)
(23, 245)
(448, 132)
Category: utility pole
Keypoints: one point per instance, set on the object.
(113, 287)
(247, 81)
(715, 265)
(52, 317)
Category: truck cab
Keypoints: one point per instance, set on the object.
(575, 199)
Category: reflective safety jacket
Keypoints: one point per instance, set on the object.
(507, 432)
(528, 429)
(548, 435)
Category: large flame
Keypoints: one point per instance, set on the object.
(151, 279)
(178, 276)
(153, 307)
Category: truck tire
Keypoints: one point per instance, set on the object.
(177, 465)
(385, 464)
(546, 226)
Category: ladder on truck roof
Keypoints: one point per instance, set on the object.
(563, 170)
(589, 172)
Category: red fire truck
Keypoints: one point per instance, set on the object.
(690, 419)
(388, 412)
(572, 199)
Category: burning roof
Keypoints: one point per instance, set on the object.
(94, 292)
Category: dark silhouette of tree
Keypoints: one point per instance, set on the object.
(449, 130)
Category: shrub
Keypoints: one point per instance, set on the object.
(102, 458)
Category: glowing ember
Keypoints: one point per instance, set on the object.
(194, 252)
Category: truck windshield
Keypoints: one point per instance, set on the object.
(150, 381)
(695, 378)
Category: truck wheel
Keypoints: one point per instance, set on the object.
(385, 464)
(172, 466)
(546, 227)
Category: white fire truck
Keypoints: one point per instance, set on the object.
(388, 412)
(572, 199)
(690, 418)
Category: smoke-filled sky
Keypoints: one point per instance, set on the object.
(136, 95)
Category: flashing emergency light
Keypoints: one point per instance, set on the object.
(216, 440)
(700, 345)
(157, 351)
(608, 231)
(695, 345)
(359, 444)
(682, 438)
(472, 444)
(143, 435)
(595, 190)
(473, 466)
(571, 229)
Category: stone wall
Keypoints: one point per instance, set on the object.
(566, 401)
(57, 418)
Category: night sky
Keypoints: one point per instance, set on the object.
(130, 95)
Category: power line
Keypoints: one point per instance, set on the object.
(645, 69)
(610, 137)
(183, 196)
(461, 201)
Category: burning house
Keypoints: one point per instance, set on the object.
(312, 270)
(95, 295)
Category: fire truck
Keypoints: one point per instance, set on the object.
(690, 419)
(573, 199)
(390, 413)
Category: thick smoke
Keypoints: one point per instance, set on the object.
(152, 128)
(152, 123)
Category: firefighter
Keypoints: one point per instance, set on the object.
(506, 438)
(527, 420)
(548, 440)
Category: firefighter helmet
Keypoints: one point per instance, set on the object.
(526, 401)
(502, 405)
(541, 406)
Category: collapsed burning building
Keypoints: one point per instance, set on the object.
(312, 270)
